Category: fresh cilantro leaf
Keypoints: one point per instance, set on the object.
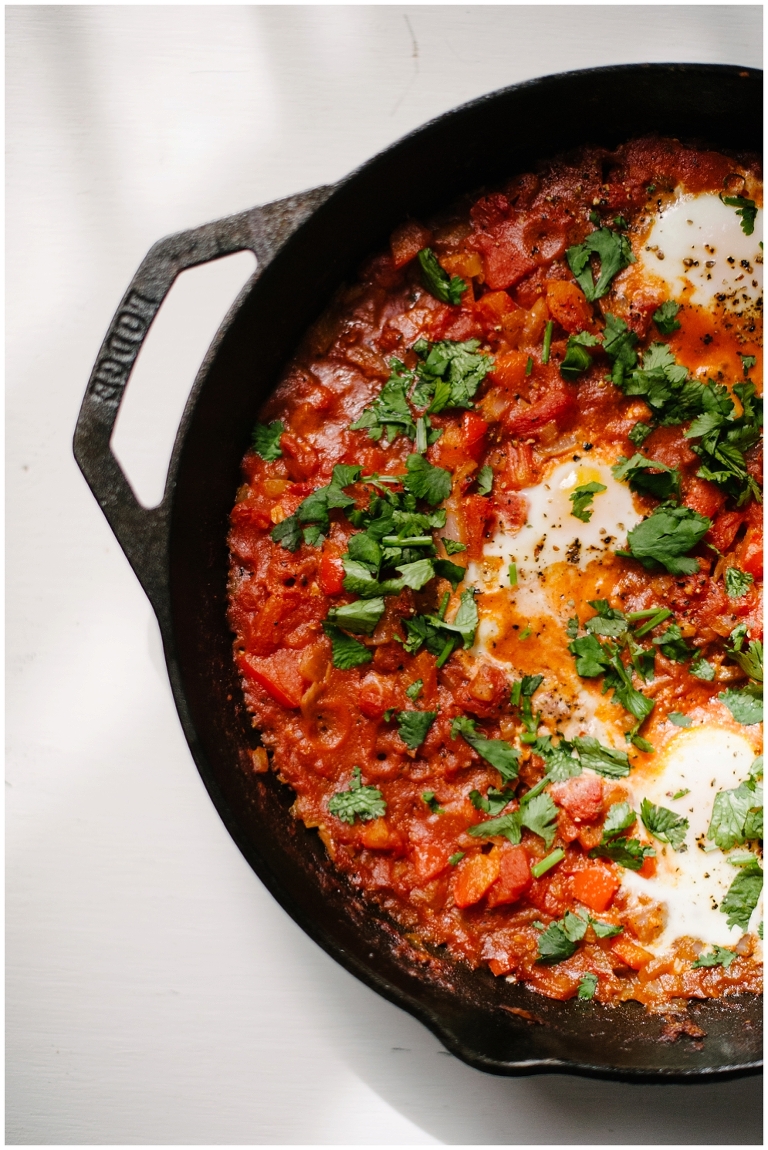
(605, 929)
(648, 476)
(665, 317)
(591, 659)
(577, 359)
(744, 707)
(614, 252)
(529, 684)
(436, 280)
(619, 818)
(607, 621)
(554, 945)
(664, 824)
(701, 669)
(639, 433)
(730, 811)
(747, 362)
(465, 620)
(737, 582)
(417, 574)
(449, 373)
(718, 956)
(603, 760)
(357, 801)
(745, 208)
(507, 825)
(413, 726)
(497, 752)
(540, 816)
(389, 415)
(673, 645)
(724, 438)
(494, 801)
(359, 617)
(426, 481)
(359, 580)
(751, 660)
(485, 480)
(629, 853)
(415, 689)
(664, 538)
(266, 440)
(346, 651)
(432, 803)
(288, 532)
(574, 926)
(455, 859)
(743, 895)
(450, 571)
(619, 345)
(581, 497)
(679, 719)
(453, 547)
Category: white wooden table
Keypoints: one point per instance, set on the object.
(157, 994)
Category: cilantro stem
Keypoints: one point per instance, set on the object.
(552, 859)
(514, 697)
(415, 541)
(446, 652)
(654, 621)
(374, 478)
(529, 365)
(444, 605)
(633, 616)
(513, 574)
(528, 739)
(547, 341)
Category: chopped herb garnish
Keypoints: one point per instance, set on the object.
(665, 317)
(497, 752)
(743, 705)
(529, 365)
(453, 547)
(737, 814)
(718, 956)
(629, 853)
(664, 824)
(648, 476)
(427, 481)
(581, 498)
(456, 858)
(747, 363)
(415, 689)
(587, 986)
(614, 252)
(359, 617)
(432, 803)
(679, 719)
(743, 895)
(577, 359)
(545, 864)
(737, 582)
(547, 344)
(436, 280)
(701, 669)
(665, 537)
(513, 575)
(346, 651)
(745, 208)
(266, 440)
(413, 726)
(485, 480)
(357, 801)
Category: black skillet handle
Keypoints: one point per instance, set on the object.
(143, 532)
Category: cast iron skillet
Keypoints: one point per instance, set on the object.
(305, 246)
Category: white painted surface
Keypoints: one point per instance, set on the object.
(157, 994)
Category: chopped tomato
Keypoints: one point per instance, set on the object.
(474, 875)
(724, 530)
(278, 674)
(702, 496)
(331, 572)
(407, 241)
(514, 876)
(555, 402)
(474, 513)
(582, 797)
(375, 695)
(750, 552)
(630, 954)
(473, 430)
(505, 259)
(568, 305)
(595, 886)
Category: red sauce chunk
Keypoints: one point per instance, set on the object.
(471, 688)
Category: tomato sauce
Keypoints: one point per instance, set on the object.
(330, 730)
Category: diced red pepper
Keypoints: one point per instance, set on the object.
(595, 886)
(474, 876)
(278, 674)
(568, 305)
(473, 430)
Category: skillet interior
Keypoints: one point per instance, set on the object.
(494, 137)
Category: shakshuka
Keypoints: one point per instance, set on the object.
(496, 570)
